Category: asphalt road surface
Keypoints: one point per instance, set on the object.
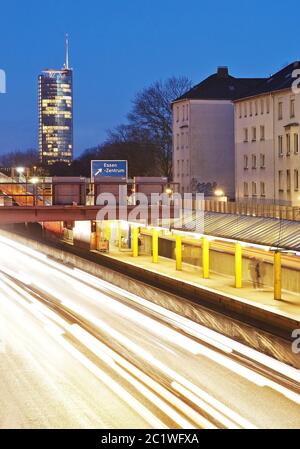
(77, 352)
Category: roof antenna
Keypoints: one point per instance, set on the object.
(67, 52)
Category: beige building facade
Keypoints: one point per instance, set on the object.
(267, 159)
(203, 135)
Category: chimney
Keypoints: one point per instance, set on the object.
(222, 72)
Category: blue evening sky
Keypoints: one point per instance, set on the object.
(121, 46)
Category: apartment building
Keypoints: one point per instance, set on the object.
(203, 134)
(267, 121)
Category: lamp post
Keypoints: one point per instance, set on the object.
(34, 182)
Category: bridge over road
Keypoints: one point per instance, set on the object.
(38, 214)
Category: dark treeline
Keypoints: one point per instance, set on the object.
(145, 140)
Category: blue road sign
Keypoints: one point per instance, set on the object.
(109, 169)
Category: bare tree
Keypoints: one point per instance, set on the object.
(152, 116)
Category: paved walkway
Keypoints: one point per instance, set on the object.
(262, 297)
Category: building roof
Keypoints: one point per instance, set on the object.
(221, 86)
(283, 79)
(260, 230)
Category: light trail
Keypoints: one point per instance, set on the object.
(63, 299)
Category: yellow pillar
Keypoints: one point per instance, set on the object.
(107, 230)
(155, 246)
(119, 235)
(205, 257)
(178, 251)
(135, 241)
(277, 275)
(238, 265)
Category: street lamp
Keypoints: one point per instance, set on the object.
(20, 170)
(34, 182)
(219, 192)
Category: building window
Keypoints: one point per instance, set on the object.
(296, 143)
(245, 134)
(245, 162)
(262, 132)
(262, 106)
(182, 141)
(187, 167)
(254, 191)
(250, 108)
(262, 189)
(187, 112)
(256, 107)
(280, 110)
(246, 191)
(280, 146)
(262, 161)
(292, 108)
(186, 140)
(268, 105)
(178, 167)
(240, 110)
(177, 114)
(177, 141)
(288, 145)
(245, 109)
(253, 161)
(288, 180)
(253, 133)
(296, 179)
(280, 180)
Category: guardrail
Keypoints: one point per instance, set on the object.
(252, 208)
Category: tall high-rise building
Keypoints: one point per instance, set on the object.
(56, 114)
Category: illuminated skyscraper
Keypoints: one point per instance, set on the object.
(56, 114)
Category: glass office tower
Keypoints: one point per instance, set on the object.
(56, 115)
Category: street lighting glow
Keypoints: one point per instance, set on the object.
(219, 192)
(34, 180)
(20, 170)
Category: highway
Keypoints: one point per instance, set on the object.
(80, 352)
